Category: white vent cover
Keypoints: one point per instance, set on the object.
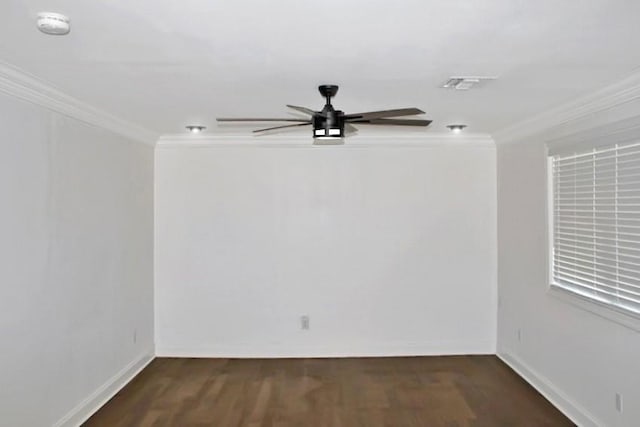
(53, 23)
(465, 82)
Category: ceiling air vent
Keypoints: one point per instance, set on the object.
(465, 82)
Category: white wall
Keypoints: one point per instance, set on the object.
(388, 247)
(577, 358)
(76, 270)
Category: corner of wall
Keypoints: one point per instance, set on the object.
(520, 261)
(85, 409)
(547, 388)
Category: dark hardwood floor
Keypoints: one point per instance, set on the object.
(455, 391)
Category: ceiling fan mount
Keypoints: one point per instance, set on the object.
(328, 91)
(332, 124)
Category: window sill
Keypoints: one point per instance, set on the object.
(602, 310)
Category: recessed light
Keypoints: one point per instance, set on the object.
(55, 24)
(195, 128)
(456, 128)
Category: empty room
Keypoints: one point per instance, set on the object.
(339, 213)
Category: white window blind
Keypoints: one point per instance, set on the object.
(596, 224)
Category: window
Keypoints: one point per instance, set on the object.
(595, 227)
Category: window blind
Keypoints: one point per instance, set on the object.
(596, 224)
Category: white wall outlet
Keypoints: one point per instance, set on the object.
(304, 322)
(619, 402)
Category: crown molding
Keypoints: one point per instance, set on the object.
(296, 140)
(20, 84)
(622, 92)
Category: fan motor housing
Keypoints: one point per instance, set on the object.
(329, 125)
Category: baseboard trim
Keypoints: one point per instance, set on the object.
(285, 352)
(106, 391)
(559, 399)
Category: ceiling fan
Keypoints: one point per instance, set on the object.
(330, 124)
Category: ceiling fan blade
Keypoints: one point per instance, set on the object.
(349, 128)
(305, 110)
(259, 120)
(384, 113)
(395, 122)
(282, 127)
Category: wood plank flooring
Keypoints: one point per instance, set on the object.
(453, 391)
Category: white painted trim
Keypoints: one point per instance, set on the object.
(604, 310)
(20, 84)
(275, 141)
(549, 218)
(251, 351)
(622, 92)
(604, 135)
(106, 391)
(557, 397)
(617, 132)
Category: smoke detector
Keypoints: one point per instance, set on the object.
(465, 82)
(53, 23)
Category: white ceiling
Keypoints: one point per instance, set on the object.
(165, 64)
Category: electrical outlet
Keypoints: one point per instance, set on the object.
(304, 322)
(619, 402)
